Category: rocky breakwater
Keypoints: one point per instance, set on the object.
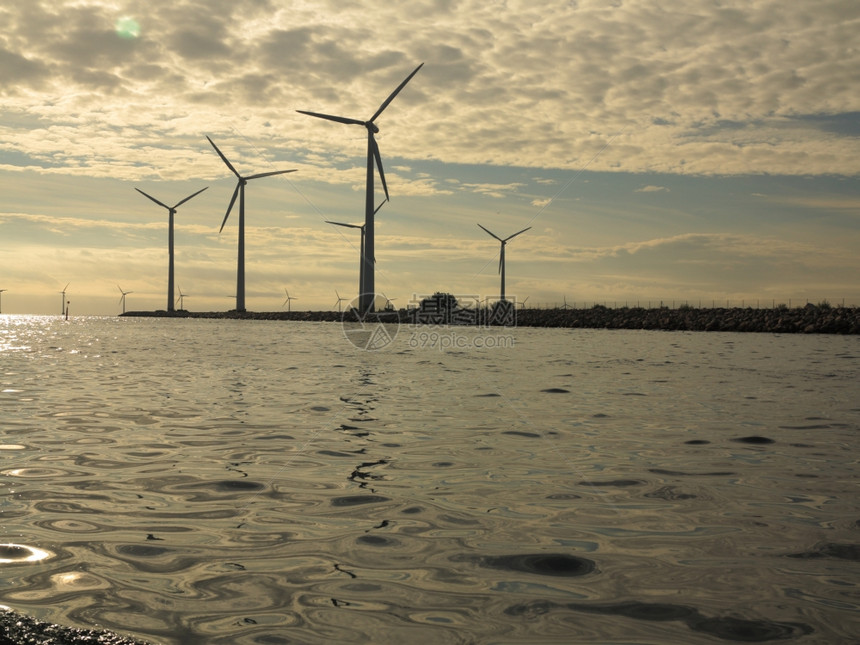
(811, 319)
(303, 316)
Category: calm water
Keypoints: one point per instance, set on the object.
(204, 481)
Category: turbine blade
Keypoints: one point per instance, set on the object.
(342, 224)
(330, 117)
(378, 207)
(378, 158)
(269, 174)
(189, 197)
(152, 198)
(491, 233)
(395, 93)
(517, 233)
(223, 158)
(230, 207)
(119, 287)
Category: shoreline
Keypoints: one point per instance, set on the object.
(810, 319)
(21, 628)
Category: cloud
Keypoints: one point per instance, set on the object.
(498, 191)
(707, 89)
(652, 189)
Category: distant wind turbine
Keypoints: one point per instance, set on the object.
(181, 299)
(240, 191)
(63, 304)
(361, 259)
(172, 211)
(565, 305)
(523, 303)
(368, 283)
(339, 300)
(122, 298)
(288, 300)
(1, 299)
(502, 254)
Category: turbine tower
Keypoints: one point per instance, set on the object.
(1, 299)
(172, 211)
(240, 191)
(122, 297)
(502, 255)
(368, 282)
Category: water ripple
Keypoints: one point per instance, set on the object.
(206, 482)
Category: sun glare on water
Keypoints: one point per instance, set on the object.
(127, 27)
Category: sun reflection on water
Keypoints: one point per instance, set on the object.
(17, 553)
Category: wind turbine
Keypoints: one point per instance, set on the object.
(361, 227)
(122, 298)
(523, 303)
(181, 299)
(1, 299)
(565, 305)
(288, 300)
(368, 283)
(502, 254)
(339, 300)
(240, 191)
(63, 304)
(172, 211)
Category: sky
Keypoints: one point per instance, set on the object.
(703, 151)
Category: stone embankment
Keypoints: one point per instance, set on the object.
(305, 316)
(810, 319)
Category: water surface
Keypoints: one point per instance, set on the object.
(216, 481)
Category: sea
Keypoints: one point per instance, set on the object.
(190, 481)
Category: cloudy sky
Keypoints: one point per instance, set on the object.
(690, 151)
